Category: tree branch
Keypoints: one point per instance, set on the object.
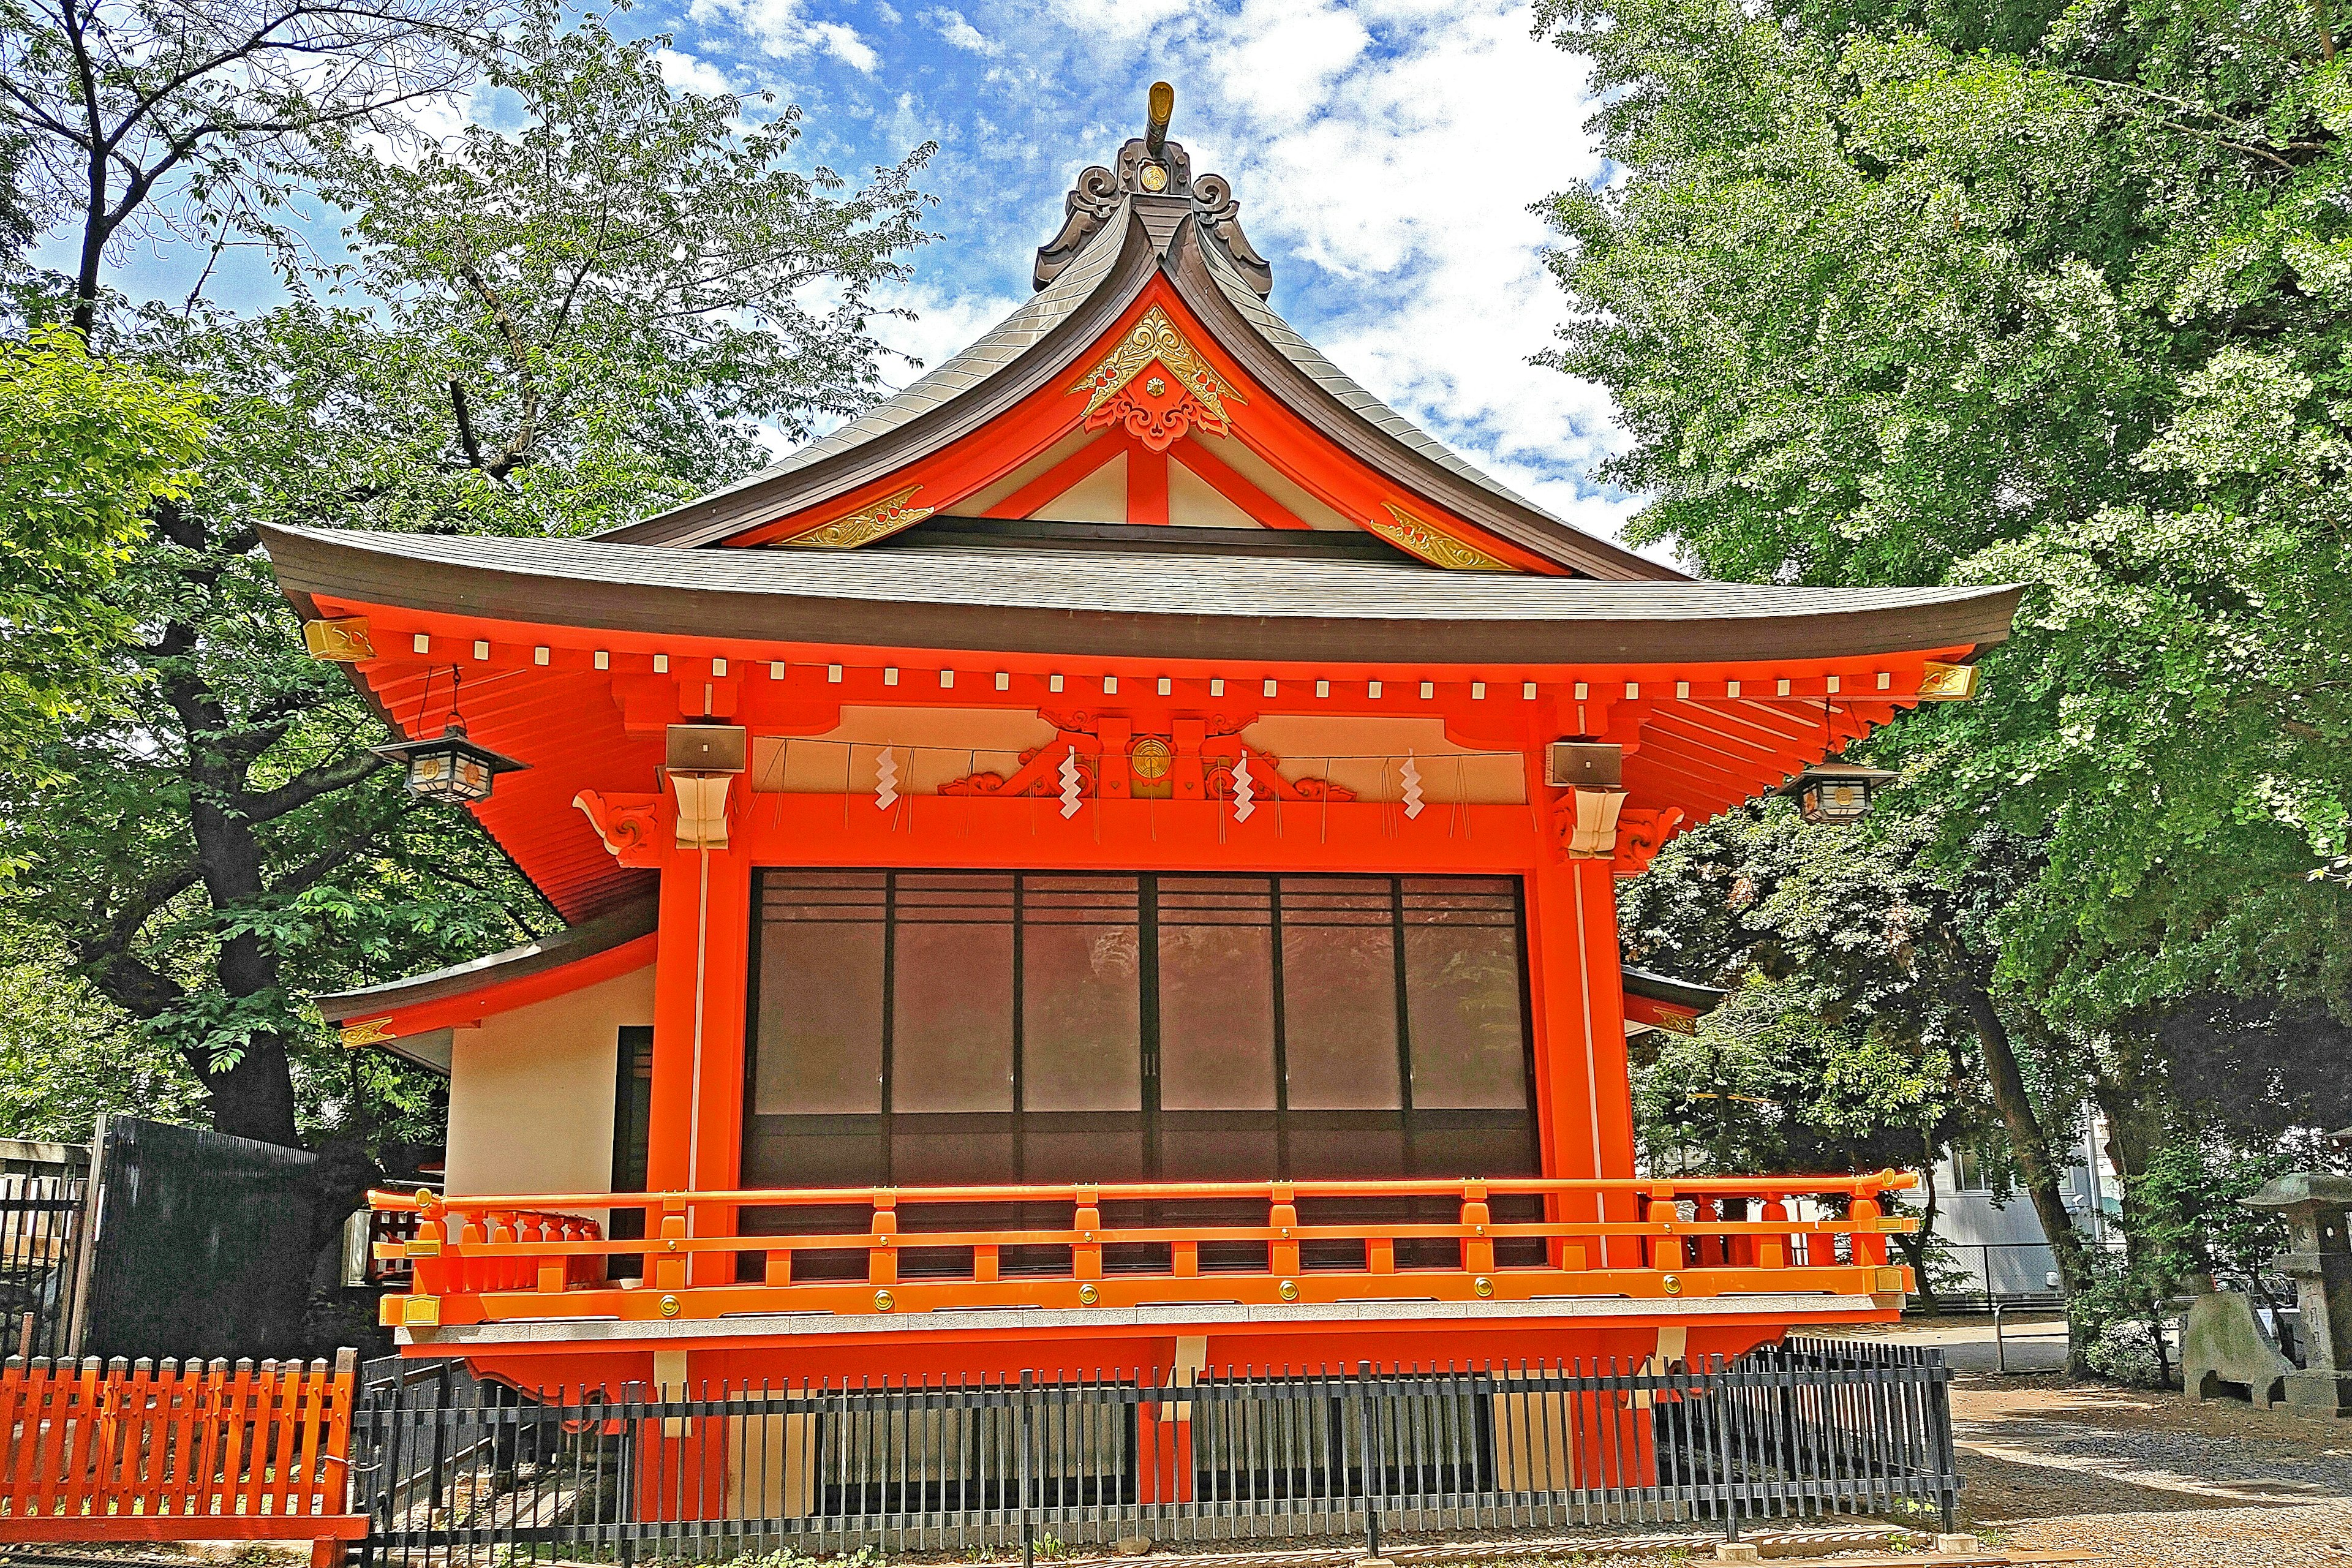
(307, 786)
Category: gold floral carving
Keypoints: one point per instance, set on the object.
(1408, 532)
(367, 1032)
(1156, 339)
(883, 518)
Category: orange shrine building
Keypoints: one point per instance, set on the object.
(1104, 862)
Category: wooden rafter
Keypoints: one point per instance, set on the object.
(1267, 512)
(1057, 479)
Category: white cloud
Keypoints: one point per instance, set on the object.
(779, 27)
(841, 42)
(692, 74)
(1386, 156)
(963, 35)
(1385, 152)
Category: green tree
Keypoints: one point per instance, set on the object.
(1901, 294)
(224, 842)
(194, 122)
(86, 449)
(1854, 1035)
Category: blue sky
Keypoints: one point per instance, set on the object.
(1384, 155)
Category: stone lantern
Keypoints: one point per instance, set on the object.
(2319, 1260)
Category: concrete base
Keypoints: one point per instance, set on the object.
(1737, 1552)
(1956, 1545)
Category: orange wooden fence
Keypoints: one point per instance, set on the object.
(184, 1451)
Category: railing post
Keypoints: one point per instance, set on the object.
(1087, 1255)
(1665, 1247)
(1022, 1427)
(1772, 1251)
(1477, 1248)
(554, 1269)
(1282, 1218)
(882, 1256)
(1869, 1248)
(669, 1266)
(428, 1270)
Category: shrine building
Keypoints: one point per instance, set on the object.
(1106, 861)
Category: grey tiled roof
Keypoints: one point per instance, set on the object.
(1346, 388)
(1088, 601)
(1006, 340)
(996, 348)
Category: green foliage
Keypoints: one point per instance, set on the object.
(69, 1056)
(1845, 1043)
(623, 283)
(527, 342)
(86, 448)
(196, 123)
(1970, 295)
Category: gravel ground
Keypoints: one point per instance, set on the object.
(2148, 1480)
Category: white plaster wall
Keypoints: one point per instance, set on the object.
(531, 1092)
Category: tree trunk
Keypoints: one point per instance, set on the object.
(2036, 1166)
(1920, 1247)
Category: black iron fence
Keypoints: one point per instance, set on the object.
(40, 1231)
(451, 1473)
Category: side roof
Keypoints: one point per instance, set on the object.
(588, 938)
(1114, 243)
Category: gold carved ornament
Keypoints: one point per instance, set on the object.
(344, 640)
(1948, 683)
(1409, 533)
(1154, 339)
(367, 1032)
(879, 520)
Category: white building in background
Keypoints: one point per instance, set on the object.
(2001, 1245)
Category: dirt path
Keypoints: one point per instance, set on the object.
(2147, 1480)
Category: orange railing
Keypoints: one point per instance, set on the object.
(478, 1260)
(194, 1451)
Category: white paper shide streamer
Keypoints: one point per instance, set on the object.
(1244, 794)
(886, 781)
(1411, 774)
(1070, 779)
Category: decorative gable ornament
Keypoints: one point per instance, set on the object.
(1157, 409)
(1409, 533)
(864, 526)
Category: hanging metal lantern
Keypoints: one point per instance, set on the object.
(1835, 794)
(450, 769)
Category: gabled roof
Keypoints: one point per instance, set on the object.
(1083, 604)
(1124, 234)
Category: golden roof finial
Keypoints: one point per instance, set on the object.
(1155, 131)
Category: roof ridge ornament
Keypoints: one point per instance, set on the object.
(1152, 169)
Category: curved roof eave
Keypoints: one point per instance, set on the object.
(582, 939)
(1047, 336)
(1101, 604)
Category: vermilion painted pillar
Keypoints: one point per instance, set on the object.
(701, 979)
(1585, 1100)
